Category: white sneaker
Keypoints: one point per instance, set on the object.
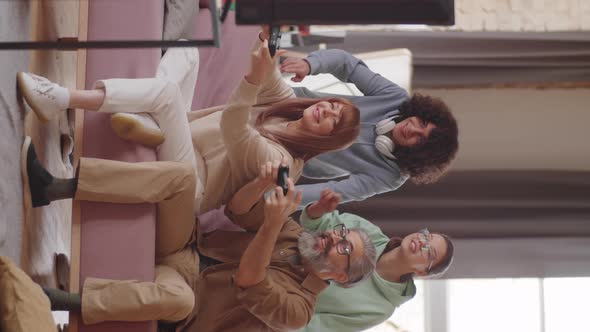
(137, 127)
(42, 95)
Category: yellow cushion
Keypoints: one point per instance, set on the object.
(23, 304)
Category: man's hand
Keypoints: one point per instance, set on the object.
(261, 64)
(256, 258)
(327, 203)
(279, 207)
(299, 67)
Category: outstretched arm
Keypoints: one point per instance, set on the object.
(322, 216)
(346, 68)
(256, 258)
(356, 187)
(272, 88)
(246, 148)
(328, 202)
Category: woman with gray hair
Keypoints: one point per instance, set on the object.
(420, 254)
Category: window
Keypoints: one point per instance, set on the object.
(408, 317)
(566, 307)
(491, 305)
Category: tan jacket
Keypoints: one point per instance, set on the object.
(283, 301)
(232, 150)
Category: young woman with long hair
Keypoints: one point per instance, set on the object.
(262, 120)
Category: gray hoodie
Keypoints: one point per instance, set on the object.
(367, 172)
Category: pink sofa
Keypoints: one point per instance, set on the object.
(220, 69)
(118, 241)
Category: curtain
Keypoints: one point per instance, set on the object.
(486, 204)
(504, 223)
(444, 59)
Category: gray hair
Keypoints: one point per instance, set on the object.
(317, 259)
(363, 266)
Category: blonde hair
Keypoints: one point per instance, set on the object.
(303, 144)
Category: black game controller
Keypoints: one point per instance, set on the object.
(274, 40)
(282, 177)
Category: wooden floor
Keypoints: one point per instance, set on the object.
(47, 229)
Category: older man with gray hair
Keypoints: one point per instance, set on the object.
(266, 278)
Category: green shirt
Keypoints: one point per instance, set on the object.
(369, 303)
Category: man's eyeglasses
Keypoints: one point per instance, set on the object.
(343, 247)
(427, 248)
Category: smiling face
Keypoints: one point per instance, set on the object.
(411, 132)
(321, 118)
(325, 251)
(414, 248)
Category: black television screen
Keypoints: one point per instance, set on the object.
(329, 12)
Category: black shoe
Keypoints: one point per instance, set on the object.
(35, 178)
(63, 301)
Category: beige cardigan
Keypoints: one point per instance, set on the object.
(229, 150)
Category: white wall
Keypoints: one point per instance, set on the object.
(521, 128)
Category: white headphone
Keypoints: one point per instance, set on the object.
(383, 143)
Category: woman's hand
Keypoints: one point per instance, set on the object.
(267, 178)
(261, 64)
(299, 67)
(265, 33)
(279, 207)
(327, 203)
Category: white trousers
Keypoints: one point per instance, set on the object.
(166, 98)
(181, 66)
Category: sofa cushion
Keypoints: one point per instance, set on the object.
(118, 241)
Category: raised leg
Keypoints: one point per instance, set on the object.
(178, 18)
(181, 66)
(90, 100)
(163, 100)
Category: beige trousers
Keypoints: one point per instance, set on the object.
(167, 298)
(170, 185)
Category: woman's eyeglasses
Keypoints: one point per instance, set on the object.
(426, 247)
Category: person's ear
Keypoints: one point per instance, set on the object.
(420, 273)
(419, 270)
(340, 277)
